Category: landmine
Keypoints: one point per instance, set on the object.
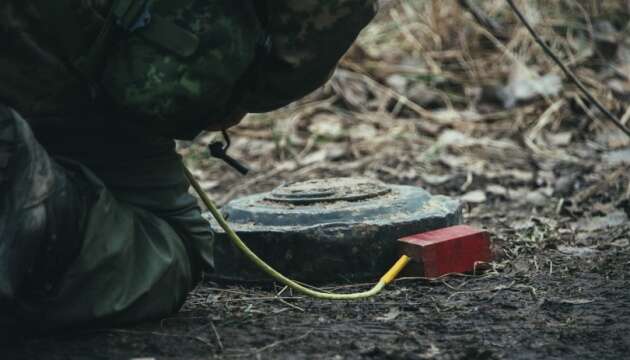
(338, 229)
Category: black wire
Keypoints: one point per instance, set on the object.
(567, 71)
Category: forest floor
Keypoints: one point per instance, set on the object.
(428, 97)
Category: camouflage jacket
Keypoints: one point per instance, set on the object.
(226, 57)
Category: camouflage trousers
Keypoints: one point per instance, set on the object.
(141, 253)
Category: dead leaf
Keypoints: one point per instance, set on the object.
(620, 88)
(391, 315)
(602, 222)
(496, 190)
(363, 132)
(617, 157)
(436, 179)
(424, 96)
(561, 138)
(525, 86)
(398, 83)
(537, 198)
(621, 243)
(575, 301)
(578, 251)
(475, 197)
(327, 125)
(208, 185)
(431, 353)
(351, 88)
(315, 157)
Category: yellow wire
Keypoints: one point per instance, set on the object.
(386, 279)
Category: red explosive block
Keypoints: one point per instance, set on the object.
(454, 249)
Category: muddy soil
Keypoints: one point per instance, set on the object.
(545, 298)
(580, 310)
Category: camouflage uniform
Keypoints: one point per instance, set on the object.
(112, 235)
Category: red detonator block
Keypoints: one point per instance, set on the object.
(456, 249)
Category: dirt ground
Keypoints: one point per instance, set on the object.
(431, 98)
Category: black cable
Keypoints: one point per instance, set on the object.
(487, 22)
(567, 71)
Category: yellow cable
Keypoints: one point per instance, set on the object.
(386, 279)
(395, 270)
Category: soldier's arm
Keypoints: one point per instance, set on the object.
(307, 40)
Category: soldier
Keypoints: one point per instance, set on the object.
(96, 223)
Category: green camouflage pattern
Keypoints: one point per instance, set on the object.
(308, 39)
(253, 56)
(182, 96)
(33, 77)
(108, 245)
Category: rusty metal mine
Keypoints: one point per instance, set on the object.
(329, 229)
